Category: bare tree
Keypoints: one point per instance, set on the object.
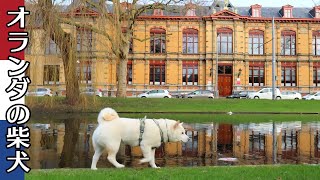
(119, 20)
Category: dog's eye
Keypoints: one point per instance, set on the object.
(182, 133)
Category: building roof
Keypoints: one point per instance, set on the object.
(216, 6)
(275, 12)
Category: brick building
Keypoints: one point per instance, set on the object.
(184, 44)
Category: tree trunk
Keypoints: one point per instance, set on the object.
(122, 78)
(71, 136)
(65, 42)
(69, 62)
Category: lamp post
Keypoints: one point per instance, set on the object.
(273, 61)
(216, 88)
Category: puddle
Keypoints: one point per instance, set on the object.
(68, 144)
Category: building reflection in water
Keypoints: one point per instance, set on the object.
(69, 145)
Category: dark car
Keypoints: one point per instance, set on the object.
(239, 94)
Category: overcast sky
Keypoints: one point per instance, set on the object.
(274, 3)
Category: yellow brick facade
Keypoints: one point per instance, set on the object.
(103, 73)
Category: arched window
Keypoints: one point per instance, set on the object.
(224, 38)
(256, 42)
(288, 43)
(157, 40)
(316, 42)
(190, 41)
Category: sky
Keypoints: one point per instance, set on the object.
(275, 3)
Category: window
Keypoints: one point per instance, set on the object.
(257, 143)
(224, 69)
(256, 74)
(289, 143)
(287, 13)
(288, 43)
(255, 13)
(51, 74)
(27, 73)
(316, 43)
(84, 72)
(256, 42)
(157, 40)
(190, 41)
(157, 73)
(157, 12)
(317, 13)
(28, 48)
(191, 12)
(317, 144)
(84, 40)
(131, 46)
(52, 47)
(189, 73)
(316, 74)
(224, 41)
(129, 72)
(288, 74)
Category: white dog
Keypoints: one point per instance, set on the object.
(148, 133)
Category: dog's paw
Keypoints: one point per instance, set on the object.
(120, 166)
(94, 169)
(156, 167)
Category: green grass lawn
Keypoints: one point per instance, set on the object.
(53, 108)
(276, 172)
(189, 118)
(94, 104)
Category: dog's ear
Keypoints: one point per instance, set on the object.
(181, 123)
(176, 125)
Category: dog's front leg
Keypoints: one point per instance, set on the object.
(153, 162)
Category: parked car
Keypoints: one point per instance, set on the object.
(265, 93)
(199, 94)
(40, 92)
(159, 93)
(239, 94)
(89, 91)
(177, 94)
(312, 96)
(290, 95)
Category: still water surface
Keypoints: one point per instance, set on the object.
(68, 144)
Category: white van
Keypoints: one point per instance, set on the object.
(265, 93)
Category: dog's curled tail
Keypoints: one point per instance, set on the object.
(107, 114)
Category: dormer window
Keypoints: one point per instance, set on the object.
(125, 6)
(317, 14)
(255, 13)
(191, 9)
(287, 11)
(316, 10)
(157, 12)
(191, 12)
(256, 10)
